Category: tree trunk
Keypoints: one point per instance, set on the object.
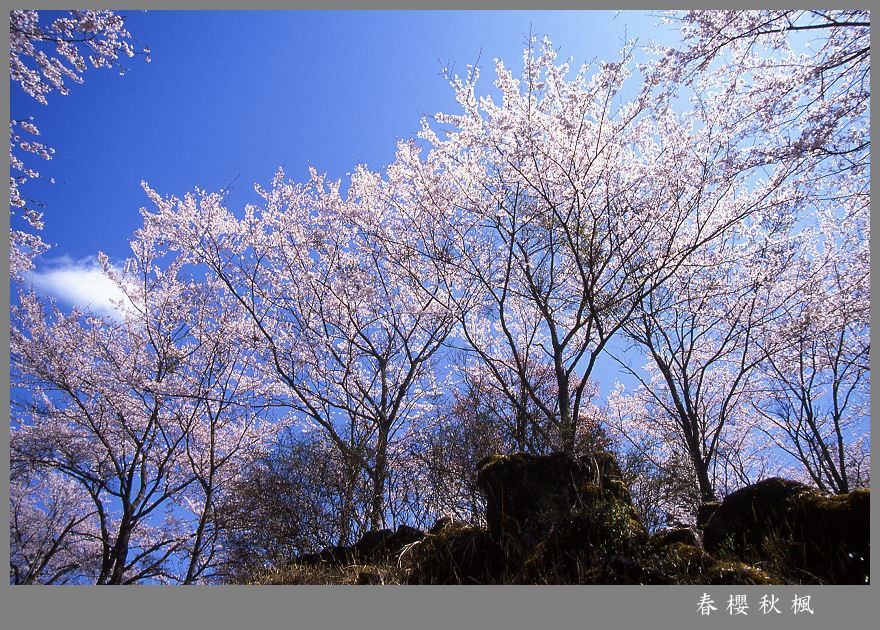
(567, 424)
(380, 472)
(707, 491)
(351, 470)
(200, 534)
(120, 552)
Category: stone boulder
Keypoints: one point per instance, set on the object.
(743, 520)
(527, 494)
(373, 547)
(670, 535)
(581, 547)
(569, 519)
(334, 554)
(705, 512)
(378, 545)
(807, 536)
(440, 524)
(457, 554)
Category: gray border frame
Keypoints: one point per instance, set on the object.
(534, 607)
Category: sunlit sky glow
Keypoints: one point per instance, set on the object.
(229, 97)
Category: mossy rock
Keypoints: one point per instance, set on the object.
(670, 535)
(835, 538)
(374, 547)
(513, 459)
(806, 536)
(739, 573)
(440, 524)
(601, 529)
(612, 523)
(609, 488)
(527, 494)
(457, 554)
(744, 519)
(624, 569)
(682, 563)
(333, 555)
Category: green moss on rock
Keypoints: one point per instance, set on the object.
(457, 554)
(739, 573)
(526, 495)
(594, 532)
(672, 535)
(809, 537)
(683, 563)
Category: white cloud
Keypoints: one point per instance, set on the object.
(80, 283)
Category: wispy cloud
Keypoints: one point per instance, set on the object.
(80, 283)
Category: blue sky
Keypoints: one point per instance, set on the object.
(238, 94)
(234, 95)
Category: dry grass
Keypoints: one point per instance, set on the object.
(326, 575)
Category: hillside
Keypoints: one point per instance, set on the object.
(561, 519)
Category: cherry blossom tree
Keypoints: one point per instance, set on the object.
(53, 534)
(787, 86)
(82, 424)
(147, 415)
(350, 339)
(702, 332)
(221, 387)
(562, 209)
(796, 79)
(816, 386)
(796, 114)
(41, 58)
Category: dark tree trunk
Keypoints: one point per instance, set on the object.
(380, 472)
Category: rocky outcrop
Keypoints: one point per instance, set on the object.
(458, 554)
(817, 539)
(527, 494)
(374, 546)
(671, 535)
(569, 519)
(563, 519)
(705, 512)
(746, 517)
(599, 537)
